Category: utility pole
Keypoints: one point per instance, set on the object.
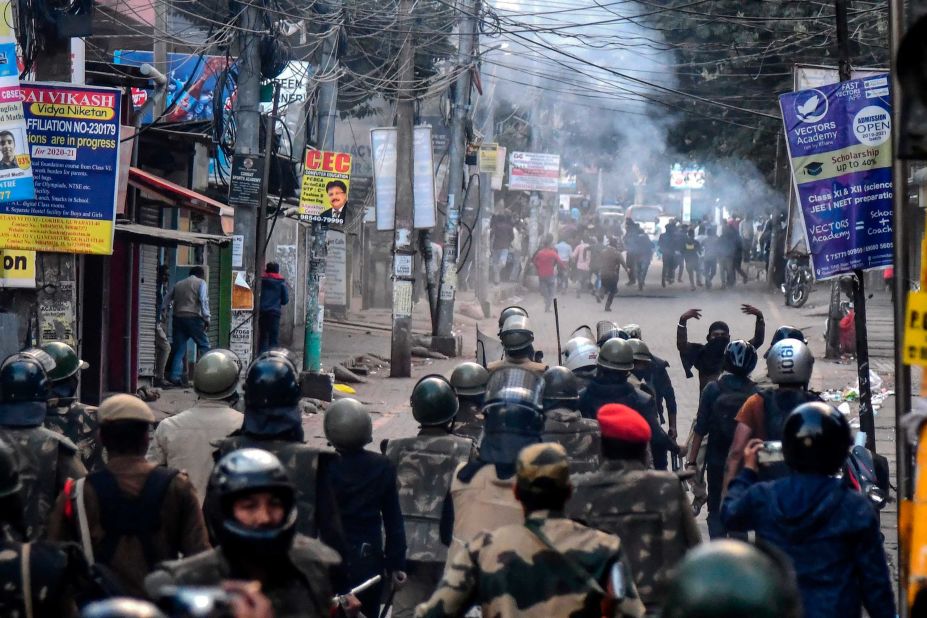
(260, 230)
(443, 340)
(400, 365)
(315, 383)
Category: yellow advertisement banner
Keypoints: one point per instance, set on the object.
(915, 330)
(17, 269)
(489, 158)
(326, 180)
(56, 235)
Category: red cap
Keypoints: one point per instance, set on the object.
(619, 422)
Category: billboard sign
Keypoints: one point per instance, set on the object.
(839, 142)
(534, 171)
(15, 164)
(687, 177)
(74, 141)
(326, 181)
(383, 145)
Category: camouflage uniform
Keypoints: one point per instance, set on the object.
(469, 421)
(483, 502)
(523, 363)
(78, 423)
(46, 460)
(648, 510)
(425, 466)
(579, 436)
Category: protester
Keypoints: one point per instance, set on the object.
(565, 253)
(691, 252)
(610, 262)
(582, 262)
(190, 301)
(274, 295)
(502, 233)
(708, 358)
(548, 263)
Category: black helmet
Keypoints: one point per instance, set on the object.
(347, 424)
(22, 380)
(121, 607)
(730, 579)
(606, 330)
(283, 353)
(247, 471)
(785, 332)
(10, 482)
(509, 312)
(508, 427)
(816, 439)
(514, 386)
(271, 382)
(516, 333)
(433, 401)
(469, 379)
(616, 354)
(740, 357)
(560, 387)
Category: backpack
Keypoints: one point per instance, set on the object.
(724, 411)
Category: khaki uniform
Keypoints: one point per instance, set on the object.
(544, 567)
(46, 460)
(579, 436)
(78, 423)
(185, 441)
(524, 363)
(181, 528)
(300, 588)
(648, 510)
(425, 466)
(484, 504)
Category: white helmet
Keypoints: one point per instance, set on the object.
(789, 362)
(579, 353)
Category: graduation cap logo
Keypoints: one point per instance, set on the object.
(814, 168)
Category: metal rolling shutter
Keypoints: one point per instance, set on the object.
(214, 272)
(147, 295)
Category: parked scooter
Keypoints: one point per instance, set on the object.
(867, 473)
(798, 280)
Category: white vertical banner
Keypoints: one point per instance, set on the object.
(383, 148)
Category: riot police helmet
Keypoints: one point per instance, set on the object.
(514, 386)
(633, 331)
(23, 380)
(641, 350)
(516, 333)
(271, 382)
(216, 374)
(509, 312)
(347, 424)
(241, 473)
(433, 401)
(560, 387)
(816, 439)
(740, 357)
(605, 330)
(579, 353)
(284, 354)
(67, 363)
(469, 379)
(730, 579)
(616, 354)
(789, 362)
(583, 331)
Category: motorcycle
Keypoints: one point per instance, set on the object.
(867, 473)
(798, 281)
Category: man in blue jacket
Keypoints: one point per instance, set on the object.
(274, 295)
(830, 531)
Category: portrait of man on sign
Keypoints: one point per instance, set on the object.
(337, 193)
(7, 151)
(326, 182)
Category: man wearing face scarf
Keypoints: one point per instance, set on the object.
(708, 358)
(273, 422)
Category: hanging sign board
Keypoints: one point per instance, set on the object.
(534, 171)
(383, 145)
(839, 142)
(16, 182)
(326, 181)
(336, 280)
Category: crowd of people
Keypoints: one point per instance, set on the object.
(526, 490)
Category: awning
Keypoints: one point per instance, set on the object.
(168, 238)
(176, 195)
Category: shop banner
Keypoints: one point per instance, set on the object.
(336, 280)
(17, 269)
(383, 146)
(74, 136)
(16, 182)
(839, 141)
(534, 171)
(326, 181)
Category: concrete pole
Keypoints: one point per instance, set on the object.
(400, 365)
(443, 340)
(260, 235)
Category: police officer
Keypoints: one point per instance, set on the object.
(482, 489)
(564, 424)
(425, 465)
(367, 495)
(256, 528)
(273, 422)
(651, 371)
(508, 312)
(828, 529)
(611, 385)
(39, 579)
(729, 579)
(718, 406)
(45, 459)
(788, 365)
(605, 330)
(545, 565)
(469, 382)
(647, 509)
(184, 441)
(66, 415)
(580, 355)
(517, 339)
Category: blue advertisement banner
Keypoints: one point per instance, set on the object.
(840, 149)
(74, 141)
